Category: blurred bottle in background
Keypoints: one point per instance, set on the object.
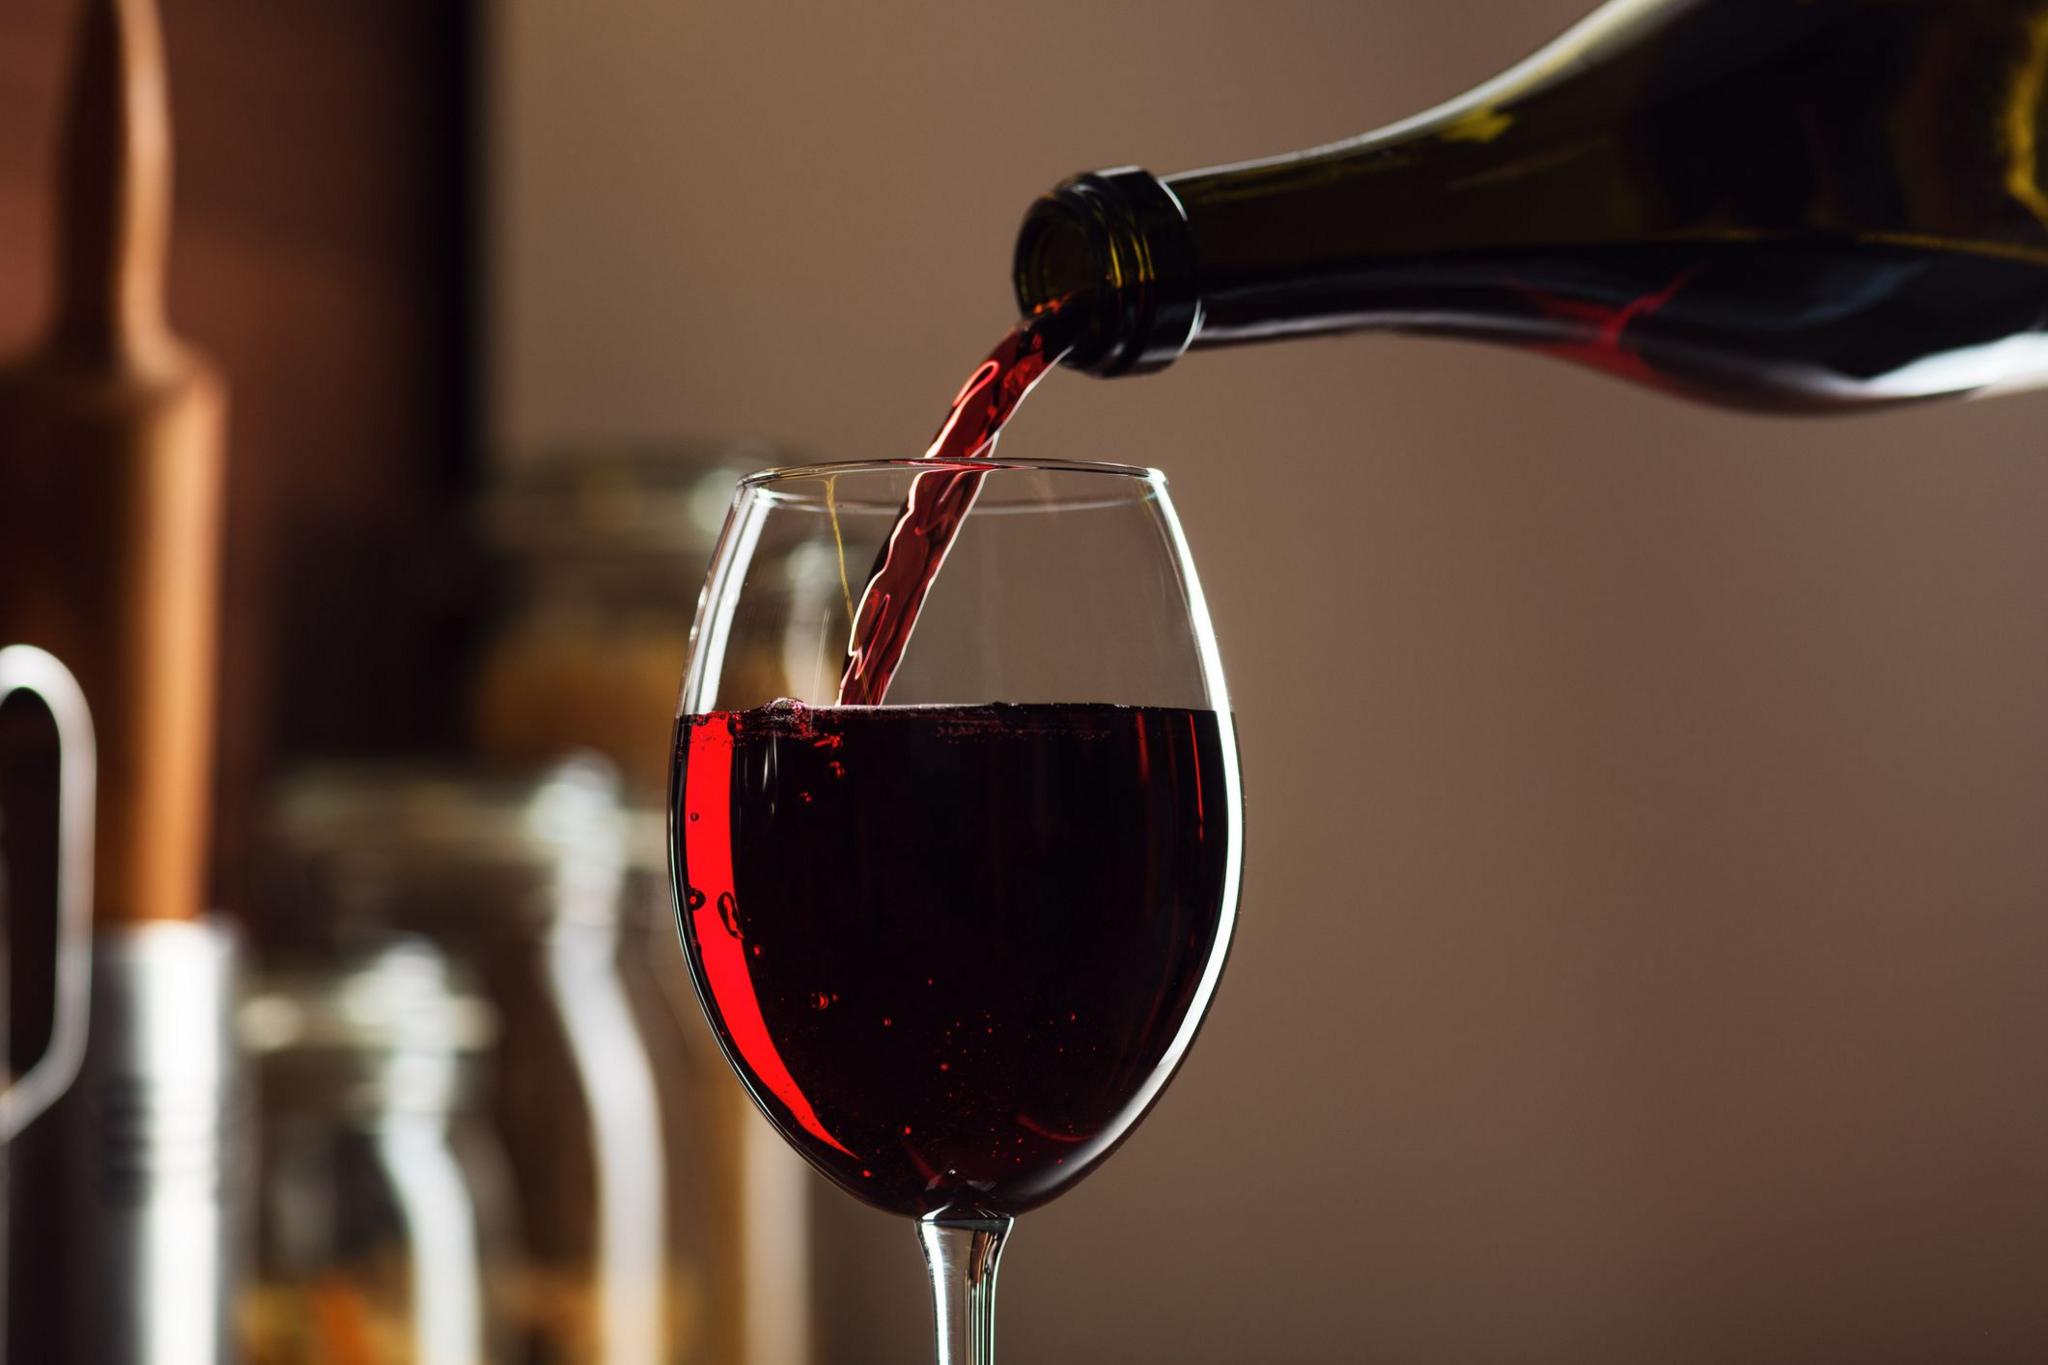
(601, 557)
(617, 1167)
(385, 1214)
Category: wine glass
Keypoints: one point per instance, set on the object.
(956, 943)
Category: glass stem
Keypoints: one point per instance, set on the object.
(961, 1254)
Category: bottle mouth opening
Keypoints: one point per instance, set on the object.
(1065, 260)
(1113, 246)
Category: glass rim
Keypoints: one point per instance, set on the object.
(768, 478)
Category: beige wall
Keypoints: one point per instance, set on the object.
(1646, 922)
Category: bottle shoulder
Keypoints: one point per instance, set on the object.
(1913, 121)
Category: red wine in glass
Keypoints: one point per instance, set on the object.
(916, 548)
(953, 950)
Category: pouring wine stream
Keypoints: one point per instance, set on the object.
(939, 501)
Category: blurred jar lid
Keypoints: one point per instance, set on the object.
(382, 1028)
(618, 507)
(409, 846)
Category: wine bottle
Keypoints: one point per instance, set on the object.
(1804, 205)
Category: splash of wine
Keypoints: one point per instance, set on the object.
(938, 501)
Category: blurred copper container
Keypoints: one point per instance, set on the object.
(112, 476)
(112, 460)
(619, 1172)
(385, 1218)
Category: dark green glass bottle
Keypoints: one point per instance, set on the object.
(1780, 204)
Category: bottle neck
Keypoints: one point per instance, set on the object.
(1240, 252)
(114, 192)
(1115, 247)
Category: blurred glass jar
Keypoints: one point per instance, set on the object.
(616, 1164)
(603, 556)
(384, 1210)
